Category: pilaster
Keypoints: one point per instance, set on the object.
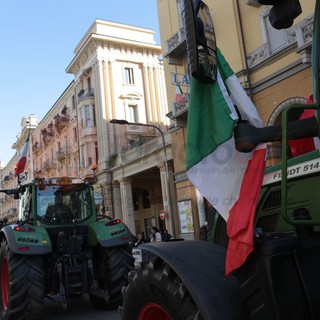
(127, 203)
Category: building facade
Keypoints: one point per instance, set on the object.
(141, 174)
(117, 75)
(272, 65)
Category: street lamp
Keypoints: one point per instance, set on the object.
(122, 121)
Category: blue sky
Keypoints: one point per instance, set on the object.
(37, 42)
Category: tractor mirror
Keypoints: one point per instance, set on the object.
(200, 40)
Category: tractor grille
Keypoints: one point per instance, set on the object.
(273, 200)
(268, 223)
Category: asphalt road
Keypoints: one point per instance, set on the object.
(78, 309)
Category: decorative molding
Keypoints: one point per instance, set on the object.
(299, 37)
(180, 176)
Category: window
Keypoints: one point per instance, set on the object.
(96, 151)
(75, 163)
(89, 84)
(82, 156)
(87, 116)
(128, 76)
(94, 115)
(275, 39)
(89, 154)
(73, 103)
(180, 12)
(133, 114)
(75, 135)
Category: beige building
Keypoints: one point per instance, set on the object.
(272, 65)
(117, 75)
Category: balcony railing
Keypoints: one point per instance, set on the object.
(61, 122)
(88, 131)
(85, 94)
(36, 150)
(176, 47)
(63, 153)
(49, 165)
(47, 137)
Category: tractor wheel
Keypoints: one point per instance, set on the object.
(112, 266)
(155, 292)
(22, 286)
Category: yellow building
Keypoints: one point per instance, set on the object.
(272, 65)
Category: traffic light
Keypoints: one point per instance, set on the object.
(283, 12)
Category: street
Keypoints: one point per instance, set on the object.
(79, 308)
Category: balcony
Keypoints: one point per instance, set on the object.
(49, 165)
(179, 113)
(86, 94)
(176, 48)
(61, 122)
(36, 150)
(180, 108)
(88, 131)
(63, 153)
(47, 136)
(75, 148)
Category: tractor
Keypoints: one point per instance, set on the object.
(61, 247)
(184, 280)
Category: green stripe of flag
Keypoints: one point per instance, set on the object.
(211, 116)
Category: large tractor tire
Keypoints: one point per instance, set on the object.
(155, 292)
(22, 285)
(182, 280)
(112, 266)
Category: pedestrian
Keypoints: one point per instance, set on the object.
(140, 239)
(155, 235)
(165, 235)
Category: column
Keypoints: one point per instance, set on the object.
(101, 116)
(127, 204)
(147, 93)
(171, 221)
(201, 209)
(117, 209)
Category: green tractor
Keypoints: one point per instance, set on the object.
(60, 248)
(184, 280)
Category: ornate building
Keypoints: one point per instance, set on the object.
(117, 75)
(272, 65)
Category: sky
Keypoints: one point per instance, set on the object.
(38, 38)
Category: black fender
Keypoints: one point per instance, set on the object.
(201, 267)
(34, 247)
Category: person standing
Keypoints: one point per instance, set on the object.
(155, 235)
(140, 239)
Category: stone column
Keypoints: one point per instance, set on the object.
(146, 88)
(117, 209)
(127, 204)
(170, 216)
(101, 116)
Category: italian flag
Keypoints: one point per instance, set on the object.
(23, 158)
(179, 95)
(228, 179)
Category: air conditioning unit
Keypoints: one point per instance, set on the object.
(253, 3)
